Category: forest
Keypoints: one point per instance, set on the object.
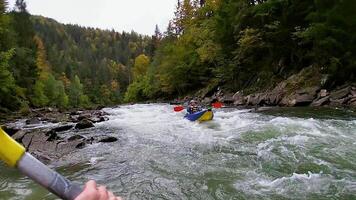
(45, 63)
(248, 45)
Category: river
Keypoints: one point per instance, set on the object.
(298, 153)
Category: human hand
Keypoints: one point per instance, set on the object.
(92, 192)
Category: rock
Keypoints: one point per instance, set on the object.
(83, 124)
(19, 135)
(40, 142)
(321, 102)
(63, 128)
(353, 91)
(52, 136)
(339, 102)
(68, 147)
(304, 100)
(84, 116)
(353, 102)
(42, 157)
(273, 98)
(310, 91)
(323, 93)
(239, 99)
(228, 98)
(76, 137)
(254, 99)
(341, 93)
(10, 130)
(99, 119)
(108, 139)
(33, 121)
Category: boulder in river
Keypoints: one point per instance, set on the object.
(63, 128)
(108, 139)
(76, 137)
(32, 121)
(83, 124)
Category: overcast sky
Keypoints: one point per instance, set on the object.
(138, 15)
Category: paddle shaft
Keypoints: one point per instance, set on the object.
(48, 178)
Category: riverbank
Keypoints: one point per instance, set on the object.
(49, 134)
(307, 88)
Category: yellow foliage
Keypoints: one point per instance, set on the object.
(140, 67)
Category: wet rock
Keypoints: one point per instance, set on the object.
(32, 121)
(63, 128)
(83, 124)
(10, 130)
(42, 157)
(64, 148)
(340, 94)
(99, 119)
(19, 135)
(321, 102)
(84, 116)
(40, 142)
(76, 137)
(52, 136)
(108, 139)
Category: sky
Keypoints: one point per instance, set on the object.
(121, 15)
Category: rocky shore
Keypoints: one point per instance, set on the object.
(49, 134)
(307, 88)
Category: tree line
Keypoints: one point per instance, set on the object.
(249, 45)
(45, 63)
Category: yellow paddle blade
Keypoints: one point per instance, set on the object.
(10, 150)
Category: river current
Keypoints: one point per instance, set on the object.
(241, 154)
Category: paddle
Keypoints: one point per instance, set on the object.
(178, 108)
(214, 105)
(14, 155)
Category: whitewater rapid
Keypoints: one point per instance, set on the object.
(241, 154)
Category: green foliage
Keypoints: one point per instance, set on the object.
(76, 92)
(8, 88)
(39, 98)
(52, 64)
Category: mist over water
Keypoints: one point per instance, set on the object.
(278, 154)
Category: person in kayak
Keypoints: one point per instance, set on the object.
(93, 192)
(193, 107)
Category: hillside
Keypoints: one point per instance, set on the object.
(46, 63)
(251, 46)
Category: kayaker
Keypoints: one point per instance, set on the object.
(92, 192)
(193, 107)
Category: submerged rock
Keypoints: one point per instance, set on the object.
(108, 139)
